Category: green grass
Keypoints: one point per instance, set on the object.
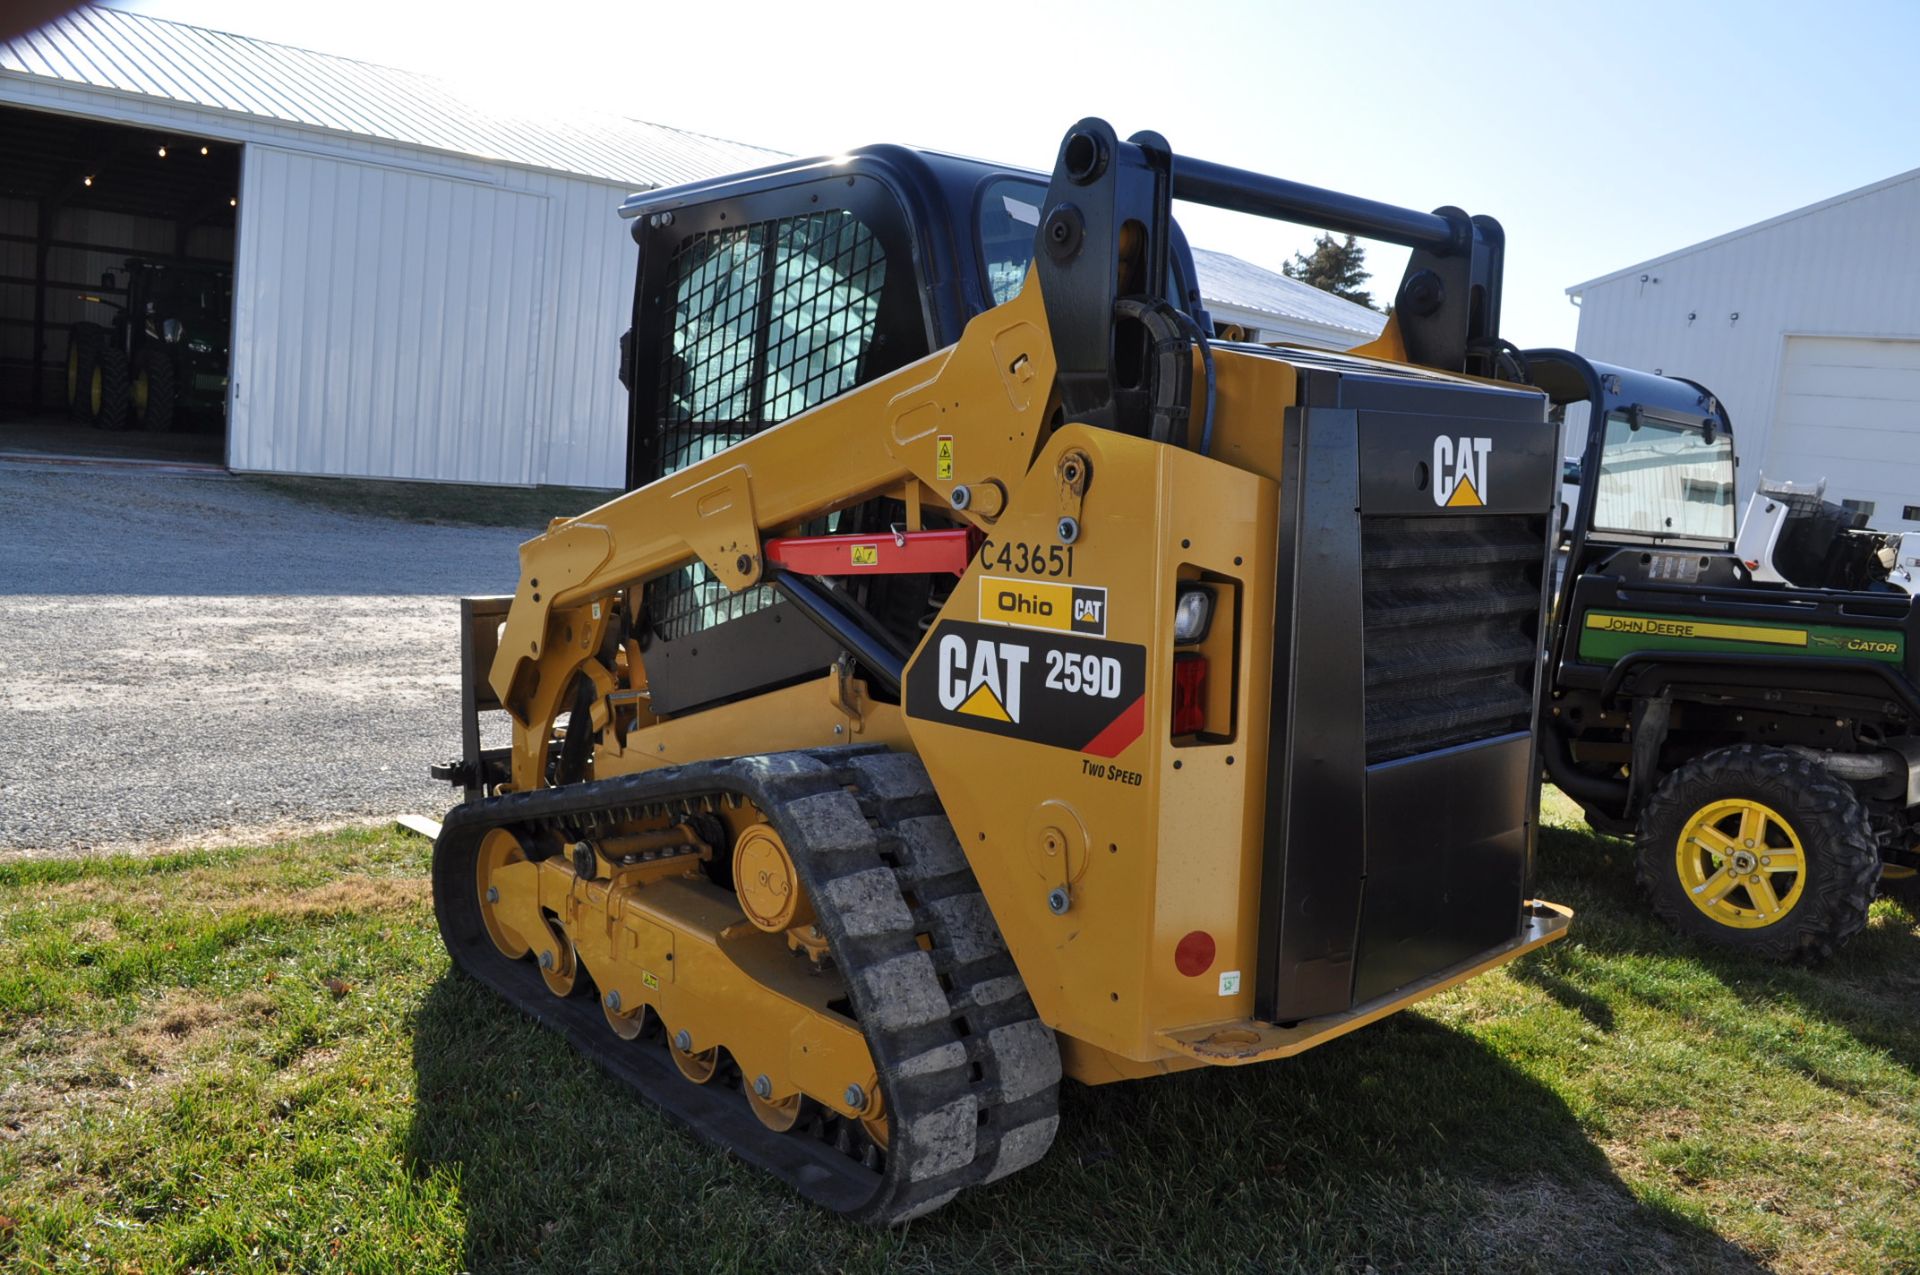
(462, 504)
(259, 1060)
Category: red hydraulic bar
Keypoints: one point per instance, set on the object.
(890, 553)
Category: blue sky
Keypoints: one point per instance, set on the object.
(1598, 134)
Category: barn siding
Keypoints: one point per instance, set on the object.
(340, 406)
(1846, 268)
(392, 323)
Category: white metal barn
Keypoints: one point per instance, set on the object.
(422, 287)
(1808, 328)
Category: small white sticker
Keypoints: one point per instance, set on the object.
(596, 610)
(1229, 982)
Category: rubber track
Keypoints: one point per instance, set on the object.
(969, 1074)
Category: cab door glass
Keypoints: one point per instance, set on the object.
(1009, 220)
(770, 319)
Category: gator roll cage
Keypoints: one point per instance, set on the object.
(1107, 241)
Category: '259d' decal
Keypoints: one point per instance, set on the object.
(1054, 689)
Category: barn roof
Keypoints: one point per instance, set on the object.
(1227, 280)
(147, 57)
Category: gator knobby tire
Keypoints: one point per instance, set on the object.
(157, 367)
(84, 341)
(115, 389)
(1836, 837)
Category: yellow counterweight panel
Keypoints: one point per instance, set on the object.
(1148, 840)
(1251, 396)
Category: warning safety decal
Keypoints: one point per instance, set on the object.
(1055, 689)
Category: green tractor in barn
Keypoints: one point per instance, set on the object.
(162, 360)
(1760, 741)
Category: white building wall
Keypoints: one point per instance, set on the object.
(1846, 268)
(477, 339)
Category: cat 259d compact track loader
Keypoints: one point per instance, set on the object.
(990, 677)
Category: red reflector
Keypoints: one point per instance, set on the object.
(1194, 954)
(1189, 694)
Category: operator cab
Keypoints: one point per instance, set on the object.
(763, 295)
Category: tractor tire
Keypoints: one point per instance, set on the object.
(84, 341)
(1759, 851)
(154, 390)
(114, 389)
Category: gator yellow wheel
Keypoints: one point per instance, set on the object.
(778, 1114)
(1741, 863)
(498, 849)
(695, 1066)
(1761, 850)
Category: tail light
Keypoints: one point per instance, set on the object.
(1189, 694)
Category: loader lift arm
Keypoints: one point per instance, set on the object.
(716, 509)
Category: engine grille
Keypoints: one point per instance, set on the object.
(1452, 627)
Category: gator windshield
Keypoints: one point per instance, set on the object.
(1664, 478)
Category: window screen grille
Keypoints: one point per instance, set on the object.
(770, 319)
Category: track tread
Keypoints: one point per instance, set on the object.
(969, 1074)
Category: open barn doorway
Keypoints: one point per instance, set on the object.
(116, 288)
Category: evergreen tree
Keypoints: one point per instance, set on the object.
(1339, 268)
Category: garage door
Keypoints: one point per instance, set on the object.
(1849, 412)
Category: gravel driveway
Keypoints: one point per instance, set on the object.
(197, 658)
